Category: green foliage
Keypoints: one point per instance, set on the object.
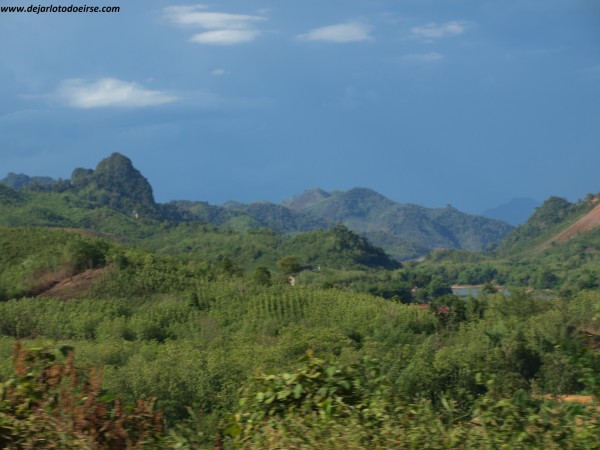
(83, 254)
(288, 265)
(337, 248)
(31, 260)
(318, 387)
(322, 405)
(9, 196)
(262, 276)
(279, 218)
(51, 404)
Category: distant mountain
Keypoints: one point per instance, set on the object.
(238, 215)
(20, 181)
(515, 212)
(117, 184)
(203, 212)
(306, 199)
(281, 219)
(404, 230)
(96, 198)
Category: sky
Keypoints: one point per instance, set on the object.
(432, 102)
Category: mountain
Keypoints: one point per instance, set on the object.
(20, 181)
(515, 212)
(116, 196)
(116, 202)
(203, 212)
(280, 219)
(338, 247)
(117, 184)
(405, 230)
(550, 225)
(242, 216)
(306, 199)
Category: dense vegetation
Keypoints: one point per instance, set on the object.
(190, 342)
(192, 335)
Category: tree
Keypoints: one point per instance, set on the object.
(262, 276)
(289, 265)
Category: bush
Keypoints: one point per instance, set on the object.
(50, 404)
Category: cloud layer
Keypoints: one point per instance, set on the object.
(340, 33)
(220, 28)
(108, 93)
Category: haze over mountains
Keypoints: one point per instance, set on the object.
(405, 231)
(515, 212)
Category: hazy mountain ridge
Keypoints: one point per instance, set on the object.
(20, 181)
(514, 212)
(403, 230)
(305, 199)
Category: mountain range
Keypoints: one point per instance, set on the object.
(405, 231)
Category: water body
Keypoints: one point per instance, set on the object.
(473, 291)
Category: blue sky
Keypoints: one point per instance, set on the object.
(430, 102)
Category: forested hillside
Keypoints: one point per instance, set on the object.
(549, 220)
(475, 370)
(186, 325)
(405, 231)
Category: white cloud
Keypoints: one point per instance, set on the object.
(108, 93)
(438, 31)
(424, 57)
(225, 37)
(220, 28)
(340, 33)
(219, 72)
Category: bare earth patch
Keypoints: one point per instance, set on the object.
(587, 223)
(73, 286)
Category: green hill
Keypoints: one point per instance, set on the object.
(337, 248)
(34, 259)
(118, 185)
(279, 218)
(552, 217)
(404, 230)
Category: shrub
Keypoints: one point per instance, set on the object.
(50, 404)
